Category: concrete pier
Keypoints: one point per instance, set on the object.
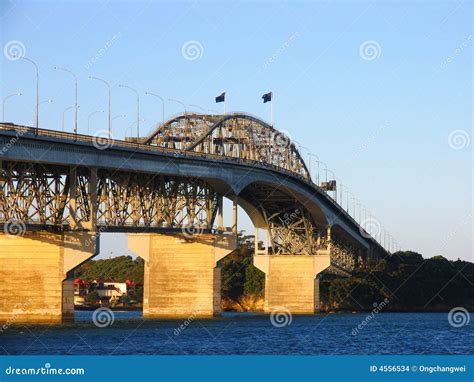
(290, 281)
(181, 278)
(34, 267)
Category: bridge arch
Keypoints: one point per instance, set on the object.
(236, 135)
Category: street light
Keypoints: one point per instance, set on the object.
(138, 108)
(3, 103)
(162, 105)
(118, 116)
(37, 92)
(333, 177)
(300, 146)
(89, 118)
(326, 168)
(317, 160)
(131, 126)
(39, 104)
(110, 111)
(198, 107)
(181, 103)
(347, 200)
(75, 102)
(64, 112)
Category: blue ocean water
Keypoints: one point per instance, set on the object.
(246, 334)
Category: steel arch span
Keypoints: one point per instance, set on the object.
(236, 135)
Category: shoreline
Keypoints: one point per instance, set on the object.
(138, 309)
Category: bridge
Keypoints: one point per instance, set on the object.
(59, 191)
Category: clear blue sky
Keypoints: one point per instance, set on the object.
(380, 119)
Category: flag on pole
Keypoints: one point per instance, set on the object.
(267, 97)
(220, 98)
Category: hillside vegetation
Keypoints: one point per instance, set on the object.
(409, 282)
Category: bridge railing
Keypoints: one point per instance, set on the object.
(22, 130)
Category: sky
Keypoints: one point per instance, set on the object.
(380, 91)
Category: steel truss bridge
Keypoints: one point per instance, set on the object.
(175, 179)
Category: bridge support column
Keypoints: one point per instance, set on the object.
(290, 281)
(181, 278)
(33, 272)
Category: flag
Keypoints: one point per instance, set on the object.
(220, 98)
(267, 97)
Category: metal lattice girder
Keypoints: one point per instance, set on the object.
(292, 230)
(156, 201)
(342, 257)
(61, 196)
(233, 135)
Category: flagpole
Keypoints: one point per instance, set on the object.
(225, 103)
(271, 109)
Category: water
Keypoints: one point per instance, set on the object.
(246, 334)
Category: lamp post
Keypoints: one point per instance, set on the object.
(365, 212)
(347, 200)
(64, 112)
(317, 161)
(75, 102)
(359, 205)
(198, 107)
(300, 146)
(37, 92)
(181, 103)
(138, 108)
(3, 103)
(333, 177)
(39, 104)
(110, 109)
(118, 116)
(89, 119)
(162, 105)
(326, 168)
(131, 126)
